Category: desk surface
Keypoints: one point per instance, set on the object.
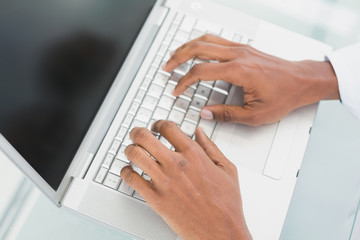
(320, 19)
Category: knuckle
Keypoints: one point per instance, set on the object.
(227, 116)
(195, 46)
(207, 37)
(134, 153)
(139, 133)
(130, 177)
(196, 69)
(232, 167)
(166, 126)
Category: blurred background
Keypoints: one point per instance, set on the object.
(24, 211)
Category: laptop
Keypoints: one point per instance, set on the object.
(77, 76)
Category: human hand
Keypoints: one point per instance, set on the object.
(273, 87)
(195, 189)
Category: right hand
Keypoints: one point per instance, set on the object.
(273, 87)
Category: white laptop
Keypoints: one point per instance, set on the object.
(77, 76)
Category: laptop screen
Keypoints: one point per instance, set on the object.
(58, 60)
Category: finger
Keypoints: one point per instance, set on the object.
(177, 138)
(144, 138)
(210, 38)
(228, 113)
(209, 147)
(137, 155)
(203, 50)
(203, 71)
(139, 184)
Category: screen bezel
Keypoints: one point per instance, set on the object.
(98, 128)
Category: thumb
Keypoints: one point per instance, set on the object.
(227, 113)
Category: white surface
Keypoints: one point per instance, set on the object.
(10, 178)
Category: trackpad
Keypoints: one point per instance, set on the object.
(245, 146)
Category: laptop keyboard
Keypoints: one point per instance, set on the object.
(154, 100)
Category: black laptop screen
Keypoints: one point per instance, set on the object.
(58, 59)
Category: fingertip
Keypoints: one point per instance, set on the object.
(206, 114)
(125, 170)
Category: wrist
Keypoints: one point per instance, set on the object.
(317, 82)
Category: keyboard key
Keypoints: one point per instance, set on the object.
(155, 91)
(143, 115)
(169, 89)
(175, 44)
(157, 60)
(127, 121)
(137, 123)
(203, 92)
(140, 96)
(227, 34)
(187, 24)
(199, 60)
(237, 38)
(149, 126)
(161, 79)
(176, 116)
(127, 140)
(121, 133)
(166, 102)
(108, 160)
(114, 147)
(222, 86)
(162, 50)
(181, 105)
(121, 154)
(175, 77)
(146, 83)
(151, 72)
(178, 18)
(165, 142)
(188, 128)
(146, 177)
(112, 181)
(182, 36)
(150, 102)
(138, 196)
(101, 175)
(136, 169)
(188, 94)
(182, 68)
(196, 34)
(116, 167)
(134, 107)
(197, 103)
(192, 116)
(172, 30)
(208, 84)
(216, 98)
(160, 114)
(124, 188)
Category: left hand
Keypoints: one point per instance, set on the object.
(195, 189)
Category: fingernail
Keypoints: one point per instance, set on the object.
(172, 53)
(206, 114)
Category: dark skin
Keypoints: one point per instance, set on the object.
(195, 188)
